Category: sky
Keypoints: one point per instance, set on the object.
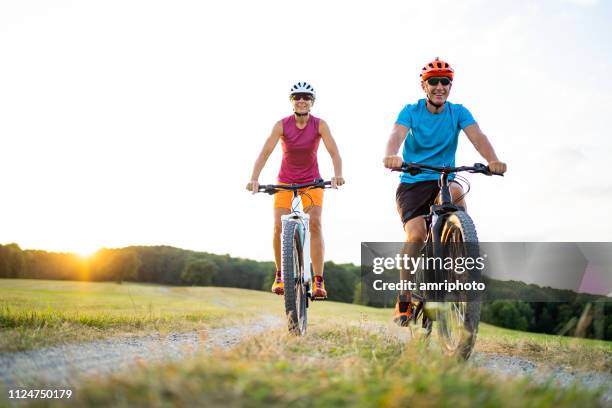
(138, 122)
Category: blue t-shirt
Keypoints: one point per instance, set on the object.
(432, 138)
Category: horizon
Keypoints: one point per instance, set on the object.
(138, 122)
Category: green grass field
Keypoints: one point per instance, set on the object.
(341, 361)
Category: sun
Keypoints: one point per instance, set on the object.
(86, 253)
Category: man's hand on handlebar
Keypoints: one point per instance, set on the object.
(392, 162)
(497, 167)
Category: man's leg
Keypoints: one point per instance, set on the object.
(413, 201)
(456, 193)
(416, 233)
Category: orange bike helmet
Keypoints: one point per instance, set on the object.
(437, 68)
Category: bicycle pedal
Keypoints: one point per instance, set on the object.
(318, 298)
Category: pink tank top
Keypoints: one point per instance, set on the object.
(299, 163)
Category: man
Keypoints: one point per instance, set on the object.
(300, 135)
(429, 131)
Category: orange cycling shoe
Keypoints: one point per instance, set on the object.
(403, 310)
(278, 286)
(318, 289)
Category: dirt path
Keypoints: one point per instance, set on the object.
(507, 366)
(510, 366)
(68, 364)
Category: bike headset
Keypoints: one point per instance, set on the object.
(302, 87)
(436, 68)
(459, 179)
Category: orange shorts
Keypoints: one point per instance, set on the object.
(310, 196)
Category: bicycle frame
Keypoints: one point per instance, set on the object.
(298, 215)
(437, 211)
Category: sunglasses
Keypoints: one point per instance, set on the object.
(302, 96)
(437, 80)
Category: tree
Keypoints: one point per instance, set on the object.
(513, 315)
(11, 261)
(115, 264)
(199, 272)
(360, 297)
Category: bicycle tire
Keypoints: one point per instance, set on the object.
(458, 227)
(296, 301)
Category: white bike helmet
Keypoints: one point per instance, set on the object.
(303, 87)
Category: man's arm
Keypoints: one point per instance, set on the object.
(332, 149)
(397, 137)
(268, 148)
(484, 147)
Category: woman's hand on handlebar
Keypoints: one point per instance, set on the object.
(253, 186)
(337, 181)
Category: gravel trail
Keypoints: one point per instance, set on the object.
(510, 366)
(68, 364)
(506, 366)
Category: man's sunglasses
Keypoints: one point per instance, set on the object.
(436, 80)
(302, 96)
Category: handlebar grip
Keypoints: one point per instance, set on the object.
(411, 168)
(266, 189)
(488, 170)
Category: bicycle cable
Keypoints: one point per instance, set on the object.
(303, 193)
(463, 181)
(459, 179)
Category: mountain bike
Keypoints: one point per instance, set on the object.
(295, 254)
(451, 234)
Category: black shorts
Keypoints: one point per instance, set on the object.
(415, 199)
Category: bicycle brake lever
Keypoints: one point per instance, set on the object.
(482, 169)
(489, 172)
(413, 171)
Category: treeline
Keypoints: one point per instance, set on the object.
(583, 315)
(161, 264)
(578, 318)
(521, 306)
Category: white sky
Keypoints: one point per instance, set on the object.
(138, 122)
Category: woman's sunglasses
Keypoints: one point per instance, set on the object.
(302, 96)
(436, 80)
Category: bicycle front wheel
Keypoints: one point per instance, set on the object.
(458, 320)
(296, 292)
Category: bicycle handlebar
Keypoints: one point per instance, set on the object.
(275, 188)
(416, 168)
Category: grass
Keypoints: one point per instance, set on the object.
(345, 360)
(36, 313)
(568, 352)
(335, 365)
